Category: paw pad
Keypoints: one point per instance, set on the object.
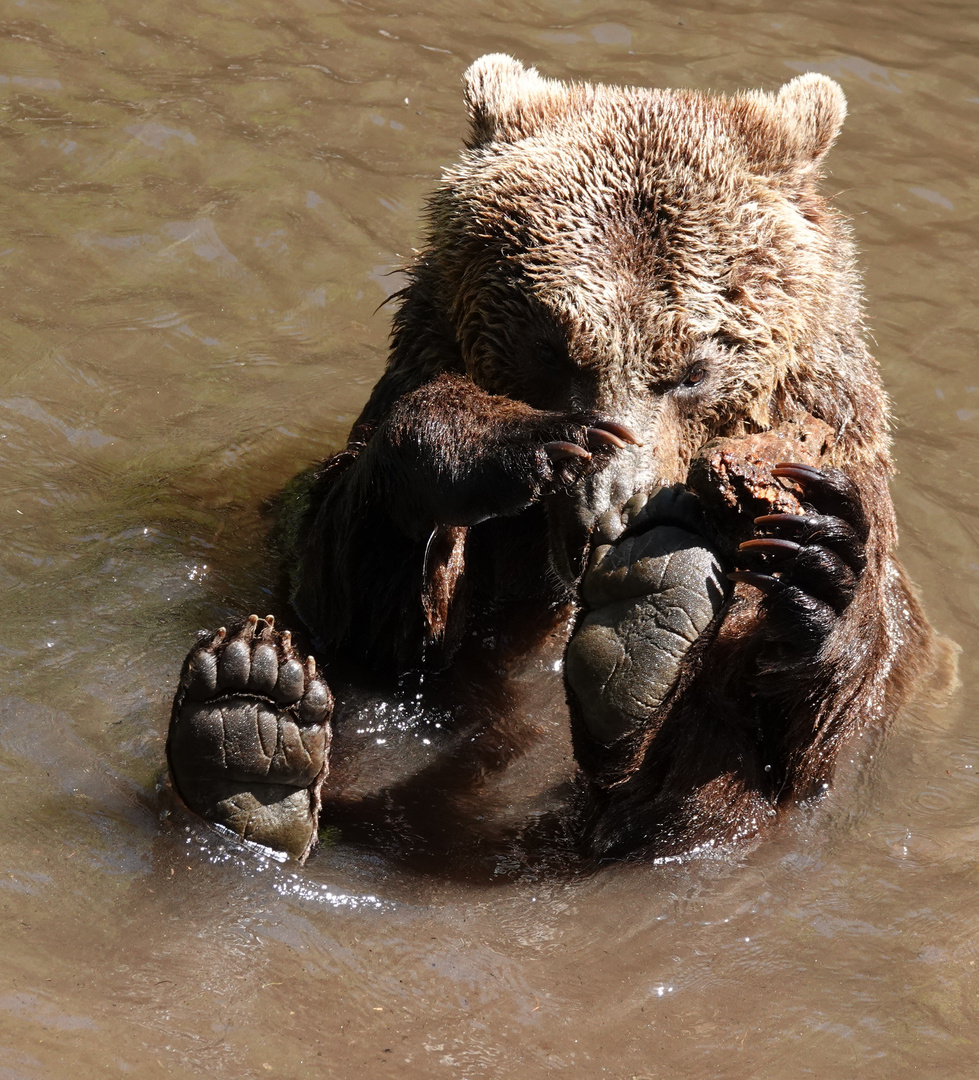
(250, 735)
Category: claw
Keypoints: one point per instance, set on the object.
(792, 520)
(559, 451)
(770, 545)
(799, 473)
(624, 434)
(221, 634)
(829, 492)
(286, 642)
(597, 437)
(765, 582)
(310, 667)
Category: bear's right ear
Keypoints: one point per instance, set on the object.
(507, 101)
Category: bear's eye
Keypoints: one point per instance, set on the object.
(694, 375)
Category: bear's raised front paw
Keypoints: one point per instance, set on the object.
(250, 736)
(808, 565)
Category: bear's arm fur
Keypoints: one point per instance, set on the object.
(383, 550)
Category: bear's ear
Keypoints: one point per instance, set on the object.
(507, 101)
(811, 109)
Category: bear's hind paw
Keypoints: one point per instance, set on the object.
(250, 735)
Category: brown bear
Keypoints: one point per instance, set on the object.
(628, 403)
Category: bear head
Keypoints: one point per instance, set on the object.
(659, 257)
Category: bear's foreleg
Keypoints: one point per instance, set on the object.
(841, 638)
(385, 548)
(801, 656)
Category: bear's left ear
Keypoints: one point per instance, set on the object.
(811, 110)
(507, 101)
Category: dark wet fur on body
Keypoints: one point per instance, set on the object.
(611, 279)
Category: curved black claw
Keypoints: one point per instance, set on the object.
(827, 492)
(562, 451)
(608, 434)
(777, 548)
(600, 438)
(808, 565)
(763, 582)
(250, 735)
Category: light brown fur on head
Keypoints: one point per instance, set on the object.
(597, 246)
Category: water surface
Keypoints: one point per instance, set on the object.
(202, 205)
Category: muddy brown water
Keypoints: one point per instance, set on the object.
(201, 206)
